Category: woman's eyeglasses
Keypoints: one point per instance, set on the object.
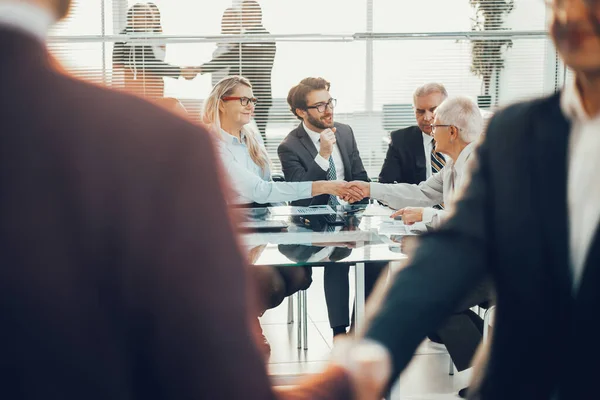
(244, 101)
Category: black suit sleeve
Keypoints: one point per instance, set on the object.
(391, 171)
(224, 60)
(294, 170)
(427, 291)
(143, 59)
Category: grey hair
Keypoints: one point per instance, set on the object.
(462, 112)
(429, 88)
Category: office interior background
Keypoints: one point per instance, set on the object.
(374, 53)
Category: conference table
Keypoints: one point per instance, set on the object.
(307, 237)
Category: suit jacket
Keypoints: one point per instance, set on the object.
(511, 222)
(142, 71)
(297, 154)
(114, 259)
(405, 158)
(252, 60)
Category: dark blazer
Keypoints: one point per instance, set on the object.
(297, 154)
(252, 60)
(511, 223)
(405, 158)
(114, 260)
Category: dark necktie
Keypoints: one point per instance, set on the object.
(332, 176)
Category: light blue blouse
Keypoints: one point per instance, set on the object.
(249, 181)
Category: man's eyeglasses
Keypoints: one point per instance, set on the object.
(243, 100)
(433, 126)
(320, 107)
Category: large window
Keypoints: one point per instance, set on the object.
(374, 52)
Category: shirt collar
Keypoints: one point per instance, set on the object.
(26, 17)
(426, 138)
(460, 162)
(314, 136)
(570, 103)
(230, 139)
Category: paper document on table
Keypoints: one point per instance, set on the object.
(293, 211)
(376, 210)
(398, 228)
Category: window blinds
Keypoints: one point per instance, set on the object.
(374, 53)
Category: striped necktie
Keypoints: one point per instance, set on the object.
(332, 176)
(437, 160)
(437, 163)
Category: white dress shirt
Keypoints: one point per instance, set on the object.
(441, 187)
(322, 162)
(250, 182)
(26, 17)
(583, 186)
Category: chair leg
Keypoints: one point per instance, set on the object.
(290, 309)
(299, 321)
(451, 367)
(305, 318)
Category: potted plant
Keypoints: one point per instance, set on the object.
(487, 55)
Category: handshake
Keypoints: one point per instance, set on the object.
(348, 191)
(190, 73)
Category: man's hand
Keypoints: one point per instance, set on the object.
(190, 73)
(327, 141)
(343, 190)
(364, 188)
(410, 215)
(368, 364)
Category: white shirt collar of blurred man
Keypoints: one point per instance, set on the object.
(571, 105)
(26, 17)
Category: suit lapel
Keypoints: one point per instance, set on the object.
(342, 142)
(419, 152)
(549, 160)
(307, 141)
(588, 288)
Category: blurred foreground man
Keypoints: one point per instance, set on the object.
(114, 259)
(529, 218)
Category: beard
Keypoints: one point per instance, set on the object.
(61, 8)
(318, 122)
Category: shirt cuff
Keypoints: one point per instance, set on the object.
(376, 191)
(428, 214)
(305, 190)
(322, 162)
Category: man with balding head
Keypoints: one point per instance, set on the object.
(411, 157)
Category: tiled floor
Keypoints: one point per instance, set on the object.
(426, 377)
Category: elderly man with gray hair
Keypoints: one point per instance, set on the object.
(457, 125)
(411, 155)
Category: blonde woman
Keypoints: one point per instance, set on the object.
(228, 111)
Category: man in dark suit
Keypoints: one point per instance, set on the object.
(321, 149)
(411, 157)
(116, 243)
(252, 60)
(530, 218)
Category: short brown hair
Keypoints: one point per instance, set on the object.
(297, 95)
